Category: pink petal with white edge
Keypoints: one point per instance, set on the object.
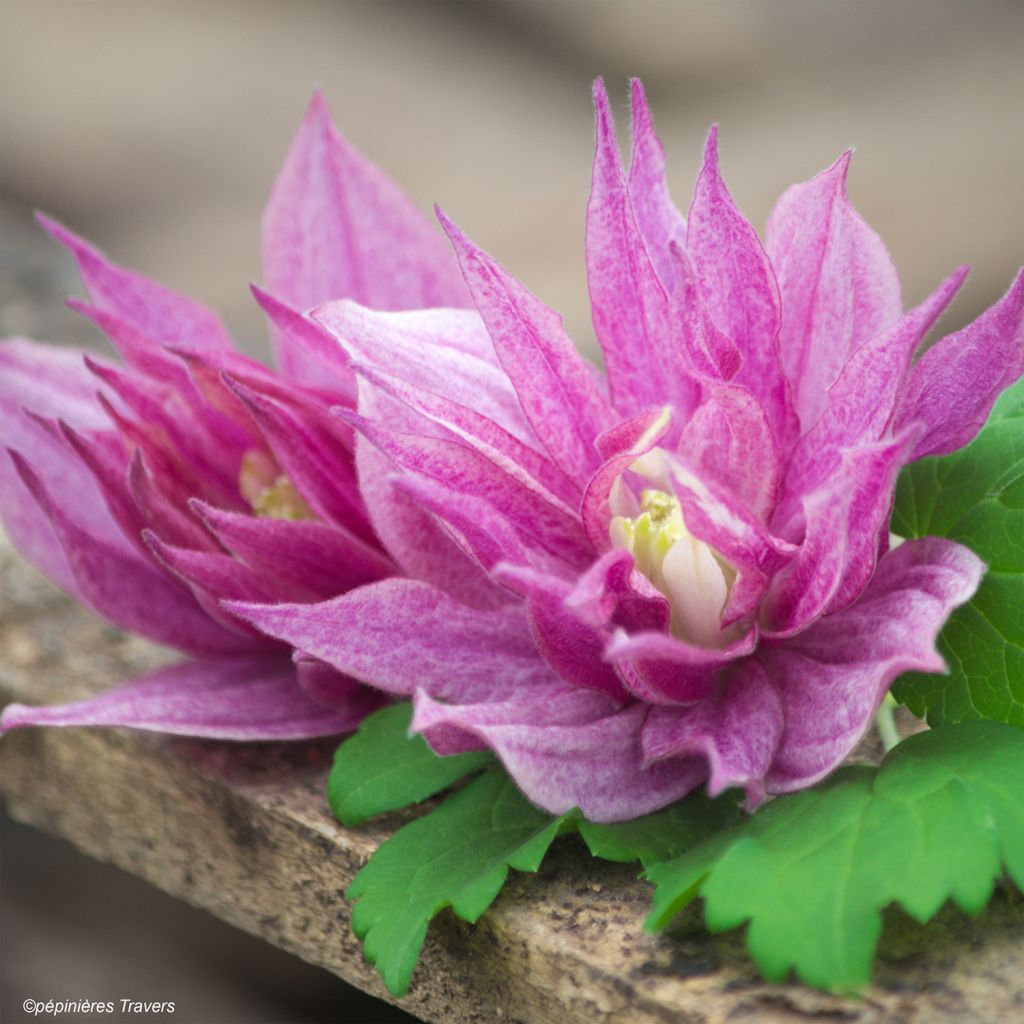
(337, 227)
(149, 307)
(555, 386)
(565, 749)
(736, 281)
(230, 700)
(833, 676)
(965, 372)
(399, 635)
(629, 304)
(736, 730)
(837, 283)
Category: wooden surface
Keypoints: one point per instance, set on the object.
(244, 832)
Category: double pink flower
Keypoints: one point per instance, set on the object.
(626, 586)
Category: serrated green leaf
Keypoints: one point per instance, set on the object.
(662, 835)
(457, 856)
(382, 768)
(811, 872)
(975, 496)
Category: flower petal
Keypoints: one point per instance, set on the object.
(837, 283)
(737, 729)
(121, 586)
(736, 281)
(965, 372)
(337, 227)
(147, 306)
(629, 304)
(833, 676)
(233, 700)
(556, 388)
(659, 220)
(400, 634)
(565, 749)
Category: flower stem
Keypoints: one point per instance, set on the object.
(885, 723)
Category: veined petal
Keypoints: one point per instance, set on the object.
(861, 400)
(556, 389)
(399, 635)
(307, 557)
(564, 753)
(149, 307)
(251, 699)
(629, 304)
(659, 220)
(965, 372)
(836, 280)
(306, 352)
(337, 227)
(571, 646)
(123, 587)
(737, 283)
(833, 675)
(737, 730)
(661, 669)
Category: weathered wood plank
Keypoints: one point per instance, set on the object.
(243, 831)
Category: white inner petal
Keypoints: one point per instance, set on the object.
(687, 571)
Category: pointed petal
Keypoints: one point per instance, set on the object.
(412, 536)
(333, 690)
(564, 753)
(400, 635)
(308, 558)
(833, 676)
(306, 353)
(737, 284)
(119, 585)
(629, 304)
(737, 730)
(660, 222)
(837, 283)
(235, 700)
(965, 372)
(337, 227)
(149, 307)
(861, 400)
(306, 443)
(555, 386)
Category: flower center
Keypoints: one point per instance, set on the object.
(687, 571)
(271, 494)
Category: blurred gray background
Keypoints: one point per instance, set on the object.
(156, 129)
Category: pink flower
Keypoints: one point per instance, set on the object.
(679, 573)
(154, 490)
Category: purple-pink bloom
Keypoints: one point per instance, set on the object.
(154, 489)
(678, 572)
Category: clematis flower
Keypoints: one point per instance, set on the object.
(679, 572)
(152, 490)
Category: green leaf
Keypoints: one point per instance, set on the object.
(457, 856)
(663, 835)
(975, 496)
(381, 768)
(812, 871)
